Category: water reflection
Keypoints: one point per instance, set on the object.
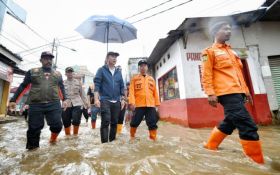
(178, 151)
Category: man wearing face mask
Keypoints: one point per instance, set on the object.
(223, 82)
(46, 91)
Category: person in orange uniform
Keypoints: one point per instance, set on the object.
(143, 98)
(224, 83)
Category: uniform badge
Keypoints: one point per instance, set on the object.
(204, 58)
(47, 75)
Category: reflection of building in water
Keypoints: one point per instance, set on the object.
(82, 73)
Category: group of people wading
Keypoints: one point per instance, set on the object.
(222, 80)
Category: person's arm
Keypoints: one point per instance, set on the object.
(83, 96)
(207, 77)
(157, 102)
(131, 98)
(207, 73)
(62, 93)
(97, 82)
(122, 87)
(24, 86)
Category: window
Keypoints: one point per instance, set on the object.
(163, 60)
(168, 56)
(157, 67)
(160, 64)
(168, 86)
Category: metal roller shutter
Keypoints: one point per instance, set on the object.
(274, 63)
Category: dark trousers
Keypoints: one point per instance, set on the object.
(37, 113)
(94, 112)
(72, 116)
(237, 116)
(25, 113)
(121, 116)
(85, 113)
(109, 116)
(150, 117)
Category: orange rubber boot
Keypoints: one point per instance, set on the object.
(119, 128)
(75, 130)
(53, 137)
(93, 124)
(153, 134)
(253, 149)
(132, 132)
(215, 139)
(67, 130)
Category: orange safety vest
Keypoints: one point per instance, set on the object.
(143, 91)
(222, 71)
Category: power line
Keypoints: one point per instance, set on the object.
(15, 38)
(156, 6)
(12, 41)
(72, 40)
(162, 11)
(65, 38)
(33, 48)
(13, 13)
(40, 49)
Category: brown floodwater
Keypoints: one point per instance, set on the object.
(178, 150)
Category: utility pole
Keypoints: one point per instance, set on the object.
(54, 48)
(55, 45)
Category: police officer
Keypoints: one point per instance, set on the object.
(143, 99)
(76, 100)
(109, 96)
(46, 91)
(223, 82)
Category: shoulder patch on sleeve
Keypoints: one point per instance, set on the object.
(204, 58)
(57, 73)
(35, 70)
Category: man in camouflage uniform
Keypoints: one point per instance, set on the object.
(46, 91)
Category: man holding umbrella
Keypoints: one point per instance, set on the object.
(109, 96)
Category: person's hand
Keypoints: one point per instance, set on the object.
(97, 103)
(122, 104)
(88, 105)
(249, 98)
(213, 100)
(132, 107)
(12, 106)
(64, 105)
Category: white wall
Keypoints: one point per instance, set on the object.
(174, 61)
(264, 38)
(261, 39)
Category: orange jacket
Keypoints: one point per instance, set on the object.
(143, 91)
(222, 71)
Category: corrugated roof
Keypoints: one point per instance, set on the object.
(11, 62)
(15, 55)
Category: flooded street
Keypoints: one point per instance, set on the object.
(178, 151)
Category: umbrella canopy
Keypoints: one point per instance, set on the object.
(107, 29)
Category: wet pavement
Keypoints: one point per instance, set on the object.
(178, 150)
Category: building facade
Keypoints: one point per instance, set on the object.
(8, 67)
(177, 65)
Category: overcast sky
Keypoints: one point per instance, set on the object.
(59, 18)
